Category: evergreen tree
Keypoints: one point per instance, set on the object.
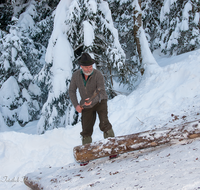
(123, 16)
(43, 21)
(180, 26)
(18, 94)
(128, 18)
(6, 13)
(21, 59)
(55, 75)
(151, 21)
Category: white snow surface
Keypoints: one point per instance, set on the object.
(88, 33)
(171, 88)
(59, 51)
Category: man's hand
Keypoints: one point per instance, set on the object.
(87, 103)
(79, 108)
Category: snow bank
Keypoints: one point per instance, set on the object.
(170, 90)
(20, 152)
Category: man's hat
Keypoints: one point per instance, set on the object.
(86, 60)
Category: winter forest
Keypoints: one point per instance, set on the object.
(42, 40)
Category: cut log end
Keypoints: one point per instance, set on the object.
(32, 184)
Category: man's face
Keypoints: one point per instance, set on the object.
(87, 70)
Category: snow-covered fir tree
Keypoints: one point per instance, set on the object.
(172, 26)
(151, 21)
(87, 27)
(123, 16)
(56, 74)
(18, 93)
(43, 21)
(180, 30)
(21, 59)
(6, 13)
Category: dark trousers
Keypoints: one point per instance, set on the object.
(89, 117)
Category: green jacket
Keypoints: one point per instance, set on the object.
(87, 88)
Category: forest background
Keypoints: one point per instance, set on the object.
(39, 52)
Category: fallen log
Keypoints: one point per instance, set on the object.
(127, 143)
(38, 180)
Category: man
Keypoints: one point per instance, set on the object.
(88, 80)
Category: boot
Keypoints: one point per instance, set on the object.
(86, 140)
(109, 133)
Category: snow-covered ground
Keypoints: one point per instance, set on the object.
(167, 96)
(167, 168)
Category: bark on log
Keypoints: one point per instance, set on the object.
(127, 143)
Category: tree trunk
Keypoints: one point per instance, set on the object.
(137, 17)
(147, 139)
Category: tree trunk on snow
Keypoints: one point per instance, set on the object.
(122, 144)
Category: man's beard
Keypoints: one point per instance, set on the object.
(88, 73)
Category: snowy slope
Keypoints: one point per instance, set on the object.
(175, 167)
(172, 87)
